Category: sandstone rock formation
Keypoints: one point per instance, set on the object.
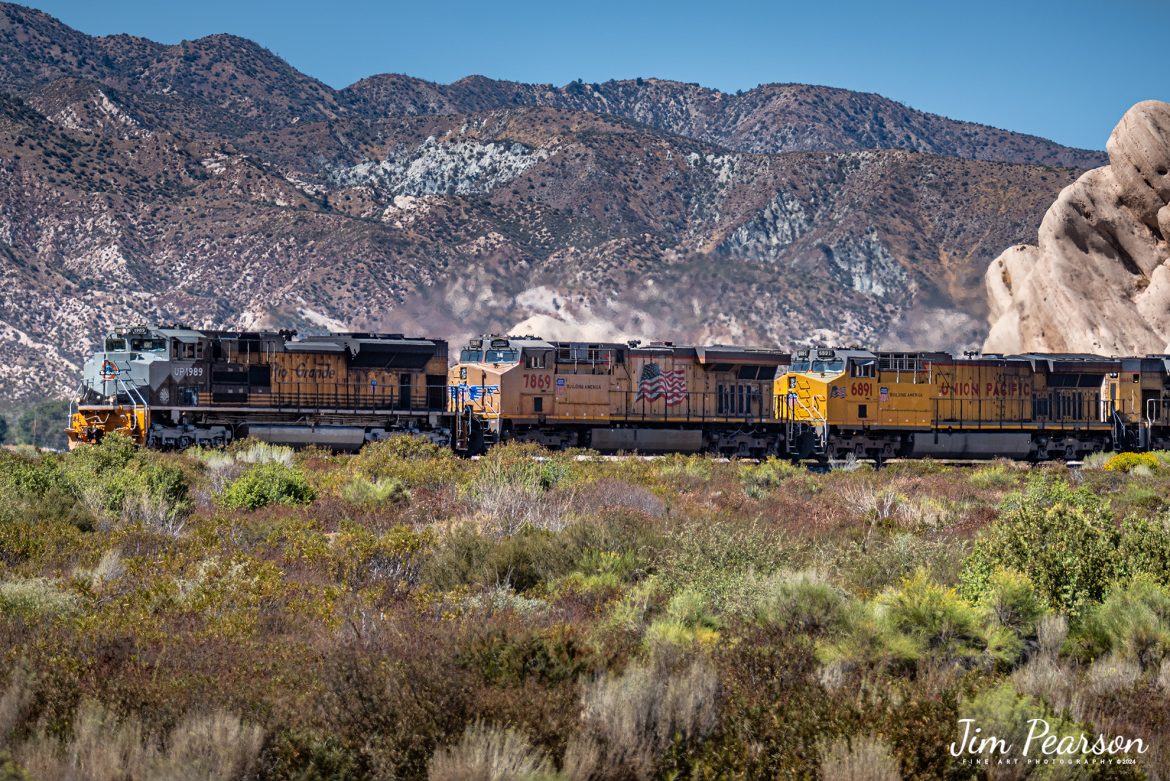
(1099, 279)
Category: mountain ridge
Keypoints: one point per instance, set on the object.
(212, 183)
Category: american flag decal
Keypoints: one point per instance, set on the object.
(655, 384)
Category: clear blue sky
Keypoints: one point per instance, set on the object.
(1064, 69)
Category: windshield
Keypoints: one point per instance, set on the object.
(470, 356)
(502, 356)
(799, 367)
(828, 367)
(148, 345)
(115, 345)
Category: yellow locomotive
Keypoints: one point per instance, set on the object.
(658, 397)
(1037, 406)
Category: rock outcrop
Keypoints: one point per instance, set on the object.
(1099, 279)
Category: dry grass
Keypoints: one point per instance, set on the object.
(628, 721)
(860, 758)
(211, 747)
(489, 753)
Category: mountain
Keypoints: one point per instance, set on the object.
(1098, 280)
(769, 119)
(211, 183)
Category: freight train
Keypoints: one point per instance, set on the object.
(172, 388)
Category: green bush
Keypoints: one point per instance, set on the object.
(995, 476)
(366, 492)
(768, 474)
(1014, 609)
(938, 622)
(267, 483)
(1133, 623)
(35, 599)
(1063, 539)
(1145, 548)
(801, 602)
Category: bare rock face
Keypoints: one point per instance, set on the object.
(1099, 279)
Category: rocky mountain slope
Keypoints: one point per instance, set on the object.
(1099, 278)
(211, 183)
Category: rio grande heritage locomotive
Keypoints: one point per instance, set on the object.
(172, 388)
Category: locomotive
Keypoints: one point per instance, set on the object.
(174, 387)
(177, 387)
(1032, 407)
(653, 398)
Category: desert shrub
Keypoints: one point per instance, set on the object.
(37, 541)
(689, 619)
(507, 655)
(511, 490)
(860, 758)
(886, 560)
(393, 560)
(459, 559)
(395, 697)
(1095, 461)
(1139, 495)
(268, 482)
(600, 571)
(800, 602)
(35, 599)
(293, 755)
(490, 753)
(685, 471)
(1062, 538)
(1145, 547)
(994, 476)
(230, 596)
(768, 474)
(1005, 713)
(362, 491)
(115, 480)
(1133, 623)
(32, 474)
(256, 451)
(1128, 462)
(630, 721)
(411, 460)
(720, 560)
(936, 620)
(525, 560)
(1014, 606)
(773, 712)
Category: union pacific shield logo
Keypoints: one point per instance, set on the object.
(655, 384)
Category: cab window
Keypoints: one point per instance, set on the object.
(115, 345)
(147, 345)
(533, 360)
(470, 356)
(800, 367)
(863, 369)
(501, 356)
(828, 367)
